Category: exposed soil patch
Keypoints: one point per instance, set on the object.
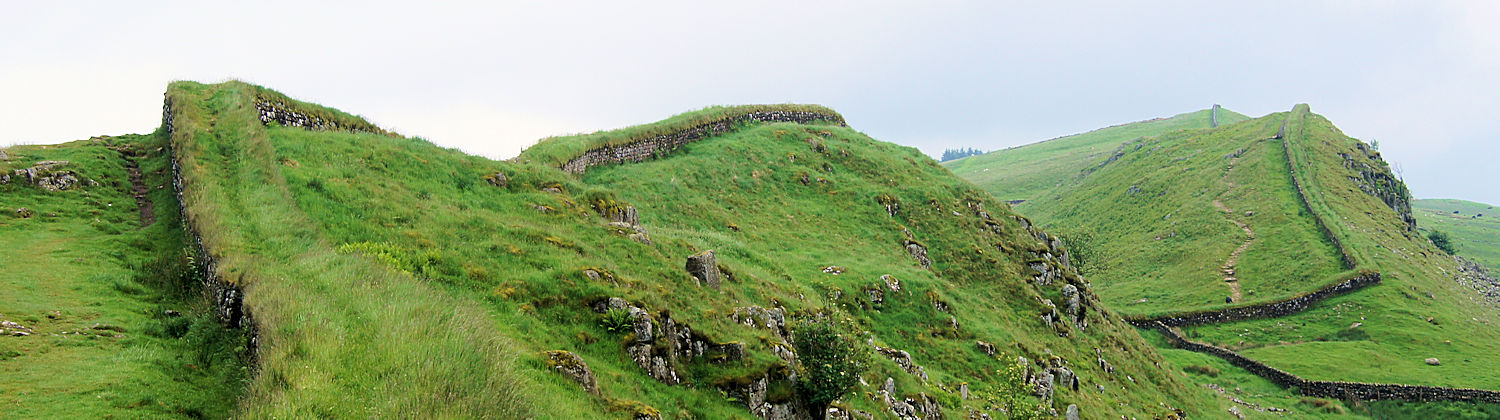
(138, 188)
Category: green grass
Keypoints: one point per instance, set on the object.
(556, 151)
(1475, 227)
(339, 336)
(1116, 231)
(429, 212)
(1030, 172)
(95, 289)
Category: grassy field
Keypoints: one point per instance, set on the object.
(522, 254)
(1115, 213)
(1030, 172)
(1474, 226)
(93, 288)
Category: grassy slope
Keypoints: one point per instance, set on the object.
(82, 261)
(339, 336)
(1152, 231)
(1029, 172)
(1394, 336)
(430, 209)
(1478, 237)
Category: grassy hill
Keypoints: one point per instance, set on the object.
(1029, 172)
(101, 316)
(1474, 226)
(383, 276)
(1157, 224)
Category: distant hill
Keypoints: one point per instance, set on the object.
(1172, 222)
(1476, 226)
(1029, 172)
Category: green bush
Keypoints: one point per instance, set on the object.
(831, 359)
(1443, 242)
(616, 321)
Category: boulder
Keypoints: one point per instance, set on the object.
(24, 213)
(574, 368)
(498, 179)
(919, 252)
(704, 268)
(986, 347)
(891, 282)
(1433, 361)
(1072, 413)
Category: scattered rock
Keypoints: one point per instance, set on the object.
(1072, 413)
(833, 269)
(704, 268)
(1433, 361)
(574, 368)
(891, 282)
(986, 347)
(24, 213)
(920, 253)
(498, 179)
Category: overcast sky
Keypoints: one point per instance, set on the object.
(492, 78)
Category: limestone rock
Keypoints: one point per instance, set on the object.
(986, 347)
(919, 252)
(1072, 413)
(1434, 361)
(498, 179)
(891, 282)
(574, 368)
(704, 267)
(24, 213)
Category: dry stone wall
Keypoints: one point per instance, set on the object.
(287, 115)
(1299, 112)
(642, 150)
(1266, 310)
(1332, 389)
(228, 299)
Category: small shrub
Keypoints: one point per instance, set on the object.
(1443, 241)
(831, 359)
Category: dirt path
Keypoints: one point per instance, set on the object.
(138, 188)
(1234, 257)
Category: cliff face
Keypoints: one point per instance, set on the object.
(1374, 177)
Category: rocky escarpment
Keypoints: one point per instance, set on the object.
(1374, 177)
(50, 175)
(1331, 389)
(643, 149)
(1475, 276)
(1264, 310)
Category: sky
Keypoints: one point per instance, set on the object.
(491, 78)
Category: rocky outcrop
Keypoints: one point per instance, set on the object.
(704, 268)
(1265, 310)
(903, 359)
(648, 148)
(659, 351)
(1331, 389)
(919, 252)
(47, 174)
(573, 367)
(1374, 177)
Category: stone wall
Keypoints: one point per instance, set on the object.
(228, 299)
(1265, 310)
(1332, 389)
(1297, 183)
(638, 151)
(287, 115)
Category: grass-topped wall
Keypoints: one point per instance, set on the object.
(276, 107)
(634, 144)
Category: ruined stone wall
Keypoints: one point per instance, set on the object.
(1332, 389)
(1291, 167)
(642, 150)
(1266, 310)
(228, 299)
(286, 114)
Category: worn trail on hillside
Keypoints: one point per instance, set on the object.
(138, 188)
(1233, 261)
